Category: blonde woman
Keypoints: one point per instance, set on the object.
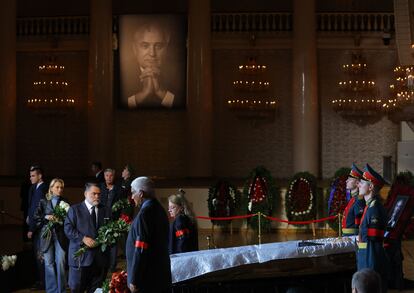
(53, 246)
(183, 229)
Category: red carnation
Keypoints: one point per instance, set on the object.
(127, 219)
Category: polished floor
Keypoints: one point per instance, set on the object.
(225, 238)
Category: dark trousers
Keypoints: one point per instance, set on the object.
(39, 261)
(87, 278)
(112, 258)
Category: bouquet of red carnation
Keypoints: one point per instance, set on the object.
(119, 283)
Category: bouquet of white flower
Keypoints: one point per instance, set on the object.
(8, 261)
(59, 214)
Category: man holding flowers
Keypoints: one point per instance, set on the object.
(87, 271)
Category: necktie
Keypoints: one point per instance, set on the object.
(93, 215)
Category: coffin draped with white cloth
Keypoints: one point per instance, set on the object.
(266, 261)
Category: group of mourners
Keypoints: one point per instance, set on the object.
(365, 217)
(152, 237)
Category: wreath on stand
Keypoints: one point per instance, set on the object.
(258, 194)
(223, 200)
(339, 196)
(300, 201)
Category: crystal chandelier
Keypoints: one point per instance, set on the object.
(251, 99)
(358, 101)
(402, 90)
(50, 88)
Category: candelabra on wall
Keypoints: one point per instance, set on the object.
(252, 99)
(358, 99)
(50, 89)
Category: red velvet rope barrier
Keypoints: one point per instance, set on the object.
(269, 218)
(301, 222)
(226, 218)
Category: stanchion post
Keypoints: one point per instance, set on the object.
(208, 242)
(259, 236)
(339, 225)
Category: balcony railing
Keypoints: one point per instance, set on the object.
(223, 23)
(48, 26)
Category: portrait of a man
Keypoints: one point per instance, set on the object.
(396, 210)
(152, 61)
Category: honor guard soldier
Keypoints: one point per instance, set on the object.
(371, 252)
(355, 208)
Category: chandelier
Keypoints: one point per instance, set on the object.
(358, 101)
(251, 99)
(50, 89)
(402, 90)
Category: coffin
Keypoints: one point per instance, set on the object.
(273, 260)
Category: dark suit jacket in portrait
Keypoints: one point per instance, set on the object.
(45, 208)
(78, 224)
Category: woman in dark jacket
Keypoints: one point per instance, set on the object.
(183, 229)
(53, 241)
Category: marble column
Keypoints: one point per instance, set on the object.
(101, 136)
(199, 97)
(305, 111)
(8, 88)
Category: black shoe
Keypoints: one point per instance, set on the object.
(37, 286)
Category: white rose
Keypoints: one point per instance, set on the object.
(5, 265)
(64, 205)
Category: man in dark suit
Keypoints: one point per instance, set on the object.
(37, 192)
(88, 271)
(98, 172)
(148, 260)
(111, 193)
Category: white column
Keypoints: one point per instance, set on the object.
(100, 103)
(8, 87)
(304, 92)
(199, 97)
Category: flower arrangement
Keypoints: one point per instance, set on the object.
(117, 284)
(300, 200)
(259, 192)
(338, 196)
(59, 214)
(123, 205)
(223, 200)
(8, 261)
(109, 234)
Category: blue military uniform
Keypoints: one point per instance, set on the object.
(354, 209)
(183, 235)
(371, 253)
(148, 260)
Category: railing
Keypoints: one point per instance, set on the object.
(328, 22)
(343, 22)
(223, 22)
(48, 26)
(246, 22)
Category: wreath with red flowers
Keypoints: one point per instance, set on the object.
(258, 194)
(300, 201)
(223, 200)
(338, 196)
